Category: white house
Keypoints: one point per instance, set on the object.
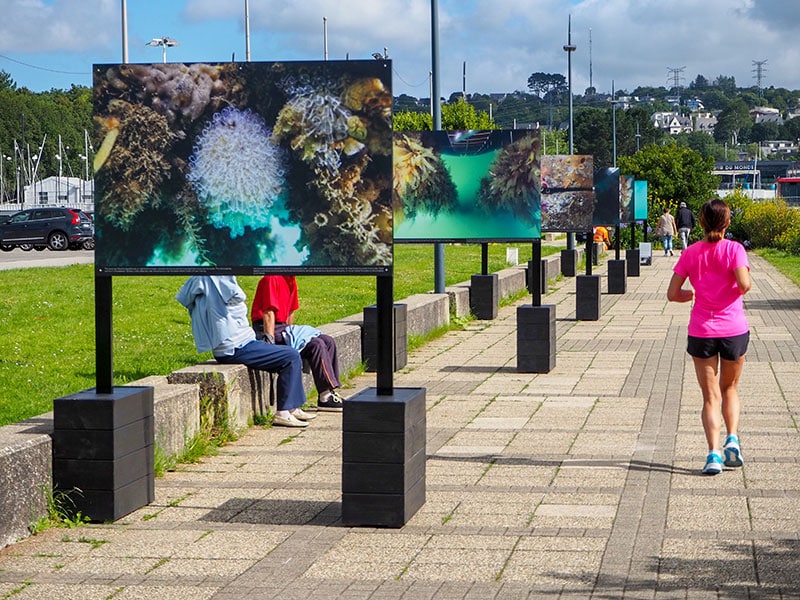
(60, 191)
(672, 122)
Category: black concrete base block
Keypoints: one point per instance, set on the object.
(383, 447)
(370, 412)
(90, 410)
(103, 444)
(542, 277)
(632, 257)
(383, 457)
(382, 510)
(102, 474)
(382, 478)
(569, 263)
(617, 279)
(369, 337)
(103, 451)
(111, 505)
(484, 296)
(587, 297)
(536, 338)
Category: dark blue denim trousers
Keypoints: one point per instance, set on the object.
(283, 360)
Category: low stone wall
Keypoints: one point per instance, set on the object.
(204, 395)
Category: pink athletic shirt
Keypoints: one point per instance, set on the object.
(718, 309)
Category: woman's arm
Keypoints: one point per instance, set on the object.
(675, 291)
(742, 275)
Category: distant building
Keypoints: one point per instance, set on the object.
(694, 104)
(672, 122)
(765, 114)
(769, 147)
(705, 122)
(60, 191)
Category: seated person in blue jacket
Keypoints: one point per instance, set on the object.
(218, 310)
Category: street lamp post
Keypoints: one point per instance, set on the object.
(164, 42)
(569, 49)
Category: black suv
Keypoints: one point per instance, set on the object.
(54, 228)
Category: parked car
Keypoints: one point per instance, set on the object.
(40, 228)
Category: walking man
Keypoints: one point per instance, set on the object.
(685, 223)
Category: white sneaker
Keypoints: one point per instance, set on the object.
(288, 421)
(302, 415)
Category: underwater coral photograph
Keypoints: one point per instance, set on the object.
(626, 198)
(466, 186)
(567, 192)
(244, 167)
(639, 200)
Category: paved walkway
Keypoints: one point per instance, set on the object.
(582, 482)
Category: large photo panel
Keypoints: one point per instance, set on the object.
(607, 196)
(567, 192)
(466, 186)
(244, 167)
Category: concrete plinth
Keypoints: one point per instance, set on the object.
(569, 262)
(103, 451)
(484, 296)
(369, 337)
(617, 279)
(383, 457)
(536, 338)
(632, 257)
(587, 297)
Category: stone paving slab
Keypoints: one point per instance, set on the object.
(579, 483)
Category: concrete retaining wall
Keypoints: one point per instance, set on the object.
(200, 396)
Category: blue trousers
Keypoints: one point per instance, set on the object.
(283, 360)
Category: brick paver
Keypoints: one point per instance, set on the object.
(582, 482)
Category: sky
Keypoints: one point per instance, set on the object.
(52, 44)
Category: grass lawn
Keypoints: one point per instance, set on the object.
(47, 320)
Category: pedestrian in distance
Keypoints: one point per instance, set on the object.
(272, 314)
(666, 230)
(218, 310)
(684, 220)
(718, 332)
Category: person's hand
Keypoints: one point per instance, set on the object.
(269, 338)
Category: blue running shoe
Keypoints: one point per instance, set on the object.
(713, 463)
(733, 453)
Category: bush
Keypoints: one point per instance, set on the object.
(771, 224)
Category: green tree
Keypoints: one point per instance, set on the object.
(461, 115)
(543, 84)
(412, 121)
(733, 123)
(673, 174)
(456, 116)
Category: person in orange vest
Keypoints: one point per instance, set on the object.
(601, 236)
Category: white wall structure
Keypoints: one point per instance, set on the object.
(60, 191)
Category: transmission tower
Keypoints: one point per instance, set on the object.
(675, 76)
(759, 74)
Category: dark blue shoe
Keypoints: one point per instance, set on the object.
(733, 453)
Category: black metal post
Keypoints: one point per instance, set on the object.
(104, 362)
(484, 259)
(589, 252)
(385, 306)
(536, 272)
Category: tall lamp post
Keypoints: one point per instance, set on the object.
(569, 49)
(164, 42)
(438, 249)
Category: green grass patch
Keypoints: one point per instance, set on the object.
(788, 264)
(47, 324)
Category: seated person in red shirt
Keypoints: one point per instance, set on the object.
(272, 315)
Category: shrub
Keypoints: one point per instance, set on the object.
(771, 224)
